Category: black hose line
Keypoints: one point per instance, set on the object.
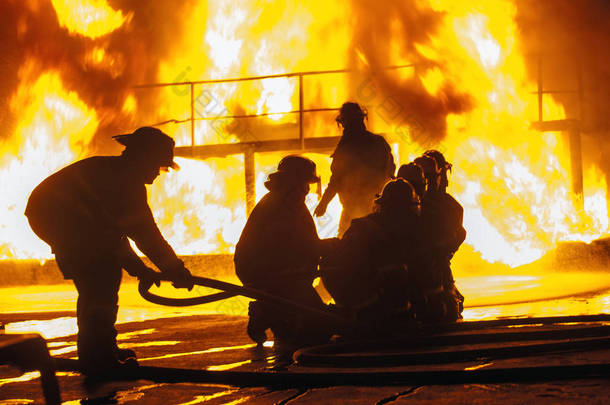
(542, 320)
(343, 323)
(182, 302)
(464, 341)
(417, 344)
(370, 378)
(230, 290)
(417, 340)
(381, 358)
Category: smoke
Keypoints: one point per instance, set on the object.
(571, 40)
(32, 35)
(378, 29)
(571, 37)
(570, 31)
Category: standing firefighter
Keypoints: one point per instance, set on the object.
(278, 252)
(85, 212)
(362, 164)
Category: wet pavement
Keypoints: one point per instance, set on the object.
(212, 337)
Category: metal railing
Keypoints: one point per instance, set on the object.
(571, 126)
(249, 149)
(300, 111)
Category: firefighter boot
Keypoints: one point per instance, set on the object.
(257, 324)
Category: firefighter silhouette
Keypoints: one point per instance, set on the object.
(85, 212)
(368, 273)
(361, 164)
(414, 174)
(278, 252)
(443, 232)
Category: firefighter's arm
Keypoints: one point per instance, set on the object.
(390, 167)
(345, 270)
(133, 265)
(458, 231)
(162, 255)
(140, 226)
(327, 197)
(354, 247)
(461, 231)
(460, 237)
(337, 169)
(327, 246)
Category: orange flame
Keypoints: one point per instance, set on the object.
(512, 180)
(91, 18)
(54, 129)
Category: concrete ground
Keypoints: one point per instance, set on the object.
(212, 337)
(218, 342)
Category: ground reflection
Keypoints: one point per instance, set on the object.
(32, 375)
(205, 398)
(49, 329)
(206, 351)
(222, 367)
(487, 297)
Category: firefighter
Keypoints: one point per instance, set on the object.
(368, 273)
(278, 252)
(430, 171)
(442, 227)
(414, 174)
(456, 234)
(362, 163)
(85, 212)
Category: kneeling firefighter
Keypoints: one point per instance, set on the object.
(442, 229)
(278, 252)
(85, 212)
(368, 273)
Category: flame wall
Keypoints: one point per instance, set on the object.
(70, 68)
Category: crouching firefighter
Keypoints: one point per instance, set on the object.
(442, 219)
(368, 274)
(85, 212)
(278, 253)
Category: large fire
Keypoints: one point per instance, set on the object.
(513, 180)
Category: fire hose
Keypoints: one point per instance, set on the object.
(418, 345)
(231, 290)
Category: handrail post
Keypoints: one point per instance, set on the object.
(250, 177)
(540, 88)
(192, 117)
(301, 137)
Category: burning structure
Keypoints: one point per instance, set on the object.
(514, 93)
